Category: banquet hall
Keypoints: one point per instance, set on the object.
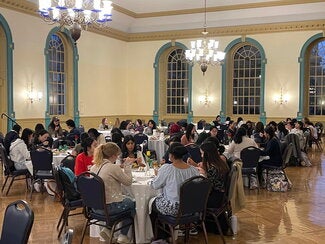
(135, 67)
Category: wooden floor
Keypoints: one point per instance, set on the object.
(297, 216)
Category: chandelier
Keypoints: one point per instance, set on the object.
(76, 14)
(204, 52)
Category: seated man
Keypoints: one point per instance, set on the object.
(74, 133)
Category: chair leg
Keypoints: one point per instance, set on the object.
(60, 219)
(171, 229)
(84, 231)
(133, 231)
(219, 228)
(65, 217)
(205, 232)
(12, 180)
(4, 184)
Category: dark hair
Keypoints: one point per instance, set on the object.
(238, 137)
(92, 132)
(52, 125)
(125, 152)
(270, 131)
(117, 130)
(87, 143)
(300, 124)
(83, 136)
(259, 127)
(42, 132)
(282, 128)
(16, 128)
(215, 141)
(211, 158)
(273, 123)
(239, 119)
(70, 123)
(188, 132)
(123, 125)
(139, 121)
(154, 124)
(39, 127)
(25, 134)
(177, 150)
(212, 127)
(117, 138)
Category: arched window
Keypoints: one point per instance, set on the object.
(6, 74)
(246, 84)
(61, 57)
(177, 83)
(316, 78)
(173, 87)
(56, 76)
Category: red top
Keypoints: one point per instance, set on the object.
(83, 163)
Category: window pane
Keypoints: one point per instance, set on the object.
(56, 74)
(177, 83)
(247, 67)
(316, 79)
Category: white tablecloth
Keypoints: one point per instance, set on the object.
(106, 133)
(141, 192)
(159, 146)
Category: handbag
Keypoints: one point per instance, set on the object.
(277, 181)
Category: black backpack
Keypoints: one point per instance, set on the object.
(70, 191)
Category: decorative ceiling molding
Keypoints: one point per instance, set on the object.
(26, 7)
(220, 8)
(230, 31)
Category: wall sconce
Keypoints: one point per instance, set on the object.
(205, 100)
(281, 98)
(33, 95)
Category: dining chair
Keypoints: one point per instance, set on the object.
(17, 223)
(68, 195)
(194, 193)
(225, 206)
(193, 152)
(10, 171)
(250, 156)
(92, 191)
(140, 138)
(42, 166)
(69, 162)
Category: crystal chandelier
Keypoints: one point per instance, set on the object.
(204, 52)
(76, 14)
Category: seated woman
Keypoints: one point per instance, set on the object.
(99, 137)
(113, 176)
(18, 151)
(272, 149)
(42, 138)
(138, 126)
(55, 128)
(78, 148)
(190, 135)
(126, 127)
(170, 178)
(84, 160)
(258, 134)
(216, 170)
(151, 126)
(240, 141)
(130, 153)
(103, 125)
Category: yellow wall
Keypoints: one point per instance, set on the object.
(116, 78)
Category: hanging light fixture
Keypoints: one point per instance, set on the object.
(204, 52)
(76, 14)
